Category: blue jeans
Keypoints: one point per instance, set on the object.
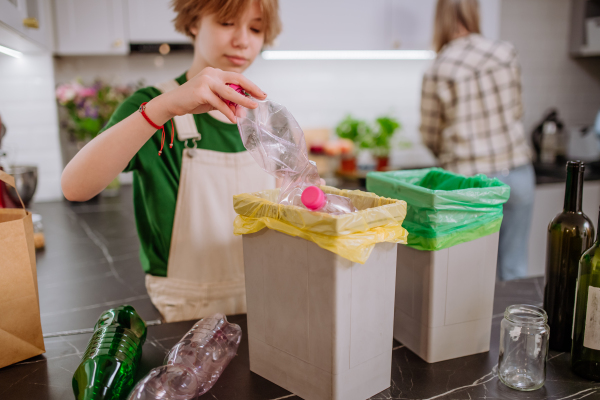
(514, 232)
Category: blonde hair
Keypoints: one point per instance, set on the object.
(189, 13)
(449, 15)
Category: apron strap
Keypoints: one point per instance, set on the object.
(186, 126)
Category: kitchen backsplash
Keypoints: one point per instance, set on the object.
(318, 93)
(28, 110)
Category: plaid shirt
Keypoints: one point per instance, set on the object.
(471, 107)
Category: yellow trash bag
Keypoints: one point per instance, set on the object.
(351, 235)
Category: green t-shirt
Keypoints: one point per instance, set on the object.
(156, 178)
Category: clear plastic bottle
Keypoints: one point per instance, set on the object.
(109, 363)
(194, 364)
(276, 142)
(315, 199)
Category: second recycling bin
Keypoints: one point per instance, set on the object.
(320, 293)
(446, 273)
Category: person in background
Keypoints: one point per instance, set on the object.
(183, 197)
(471, 120)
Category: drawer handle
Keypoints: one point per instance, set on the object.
(31, 23)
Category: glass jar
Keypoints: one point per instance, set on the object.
(39, 240)
(524, 334)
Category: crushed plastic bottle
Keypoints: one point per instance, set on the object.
(275, 140)
(109, 363)
(194, 364)
(315, 199)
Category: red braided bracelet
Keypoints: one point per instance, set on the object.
(142, 110)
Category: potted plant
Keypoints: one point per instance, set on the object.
(376, 139)
(83, 111)
(383, 131)
(359, 133)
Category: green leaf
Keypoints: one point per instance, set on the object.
(90, 125)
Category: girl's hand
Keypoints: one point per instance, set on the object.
(205, 92)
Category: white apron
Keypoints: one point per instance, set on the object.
(205, 272)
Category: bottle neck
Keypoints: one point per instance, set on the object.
(574, 189)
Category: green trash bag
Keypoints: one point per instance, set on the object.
(444, 209)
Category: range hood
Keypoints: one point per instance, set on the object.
(160, 48)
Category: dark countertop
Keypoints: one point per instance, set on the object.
(557, 173)
(91, 263)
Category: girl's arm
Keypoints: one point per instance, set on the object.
(101, 160)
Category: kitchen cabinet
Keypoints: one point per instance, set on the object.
(367, 25)
(332, 25)
(109, 26)
(151, 21)
(29, 18)
(549, 201)
(88, 27)
(585, 28)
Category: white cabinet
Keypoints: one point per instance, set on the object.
(549, 201)
(12, 13)
(367, 25)
(109, 26)
(412, 22)
(87, 27)
(332, 25)
(29, 18)
(151, 21)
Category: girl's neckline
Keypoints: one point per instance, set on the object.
(216, 121)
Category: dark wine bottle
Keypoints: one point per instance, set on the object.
(585, 354)
(570, 233)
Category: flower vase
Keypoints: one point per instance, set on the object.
(382, 163)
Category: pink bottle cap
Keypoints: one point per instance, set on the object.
(313, 198)
(238, 89)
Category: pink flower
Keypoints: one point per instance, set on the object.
(65, 93)
(87, 92)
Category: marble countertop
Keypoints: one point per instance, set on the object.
(91, 264)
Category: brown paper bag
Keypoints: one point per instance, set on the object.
(20, 325)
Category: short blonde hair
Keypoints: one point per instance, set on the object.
(189, 13)
(449, 14)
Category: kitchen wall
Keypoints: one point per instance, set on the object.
(318, 93)
(551, 78)
(28, 110)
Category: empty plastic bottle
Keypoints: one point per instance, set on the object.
(315, 199)
(109, 363)
(194, 364)
(276, 142)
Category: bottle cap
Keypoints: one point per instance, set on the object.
(313, 198)
(576, 164)
(238, 89)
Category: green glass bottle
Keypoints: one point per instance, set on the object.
(108, 365)
(585, 353)
(570, 233)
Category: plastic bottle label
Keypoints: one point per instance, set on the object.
(591, 339)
